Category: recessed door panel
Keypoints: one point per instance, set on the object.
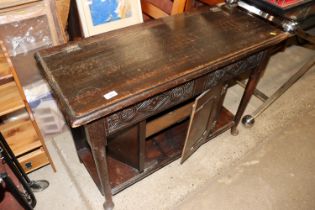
(202, 120)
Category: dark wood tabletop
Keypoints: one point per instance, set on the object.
(146, 59)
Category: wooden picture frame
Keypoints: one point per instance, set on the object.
(99, 16)
(12, 3)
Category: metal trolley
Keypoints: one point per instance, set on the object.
(293, 16)
(24, 194)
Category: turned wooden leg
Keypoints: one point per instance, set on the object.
(97, 139)
(249, 90)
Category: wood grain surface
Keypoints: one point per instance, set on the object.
(10, 98)
(21, 136)
(5, 71)
(144, 60)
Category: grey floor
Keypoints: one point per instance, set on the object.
(269, 166)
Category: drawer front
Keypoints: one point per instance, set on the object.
(33, 160)
(149, 107)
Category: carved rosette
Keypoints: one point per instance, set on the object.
(150, 106)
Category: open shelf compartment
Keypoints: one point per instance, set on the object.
(160, 150)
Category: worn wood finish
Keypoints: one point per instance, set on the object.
(249, 90)
(179, 94)
(164, 148)
(164, 121)
(80, 139)
(150, 107)
(97, 140)
(203, 120)
(128, 146)
(152, 68)
(178, 46)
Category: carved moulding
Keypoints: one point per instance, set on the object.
(150, 106)
(232, 70)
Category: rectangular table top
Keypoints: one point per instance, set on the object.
(97, 76)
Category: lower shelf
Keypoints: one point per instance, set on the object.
(160, 150)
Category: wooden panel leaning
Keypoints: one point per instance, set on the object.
(22, 135)
(158, 9)
(130, 112)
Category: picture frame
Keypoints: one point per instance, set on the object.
(100, 16)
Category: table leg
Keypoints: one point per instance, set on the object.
(97, 139)
(249, 90)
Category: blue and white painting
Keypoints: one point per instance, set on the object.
(105, 11)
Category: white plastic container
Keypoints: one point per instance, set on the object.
(44, 107)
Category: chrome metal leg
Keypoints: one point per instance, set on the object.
(249, 120)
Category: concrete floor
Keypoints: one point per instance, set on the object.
(278, 174)
(266, 167)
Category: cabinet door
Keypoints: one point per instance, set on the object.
(202, 120)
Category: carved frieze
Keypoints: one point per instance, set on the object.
(233, 70)
(150, 106)
(158, 103)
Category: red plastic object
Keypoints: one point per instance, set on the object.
(285, 3)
